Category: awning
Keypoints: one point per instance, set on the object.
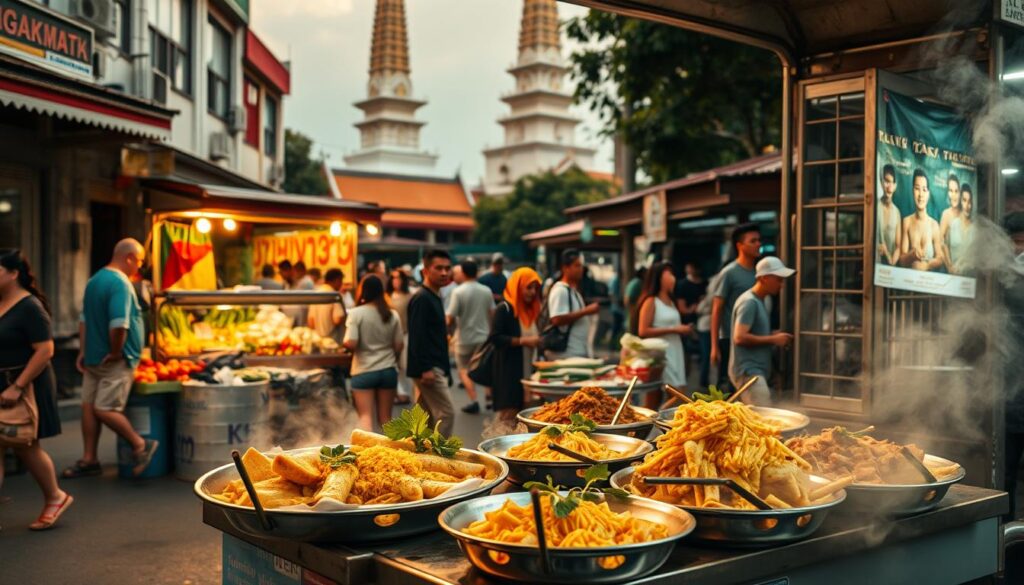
(573, 228)
(183, 198)
(34, 89)
(409, 220)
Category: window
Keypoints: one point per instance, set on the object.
(218, 70)
(270, 126)
(123, 29)
(251, 97)
(170, 34)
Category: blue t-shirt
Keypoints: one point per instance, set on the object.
(735, 280)
(110, 303)
(495, 282)
(745, 361)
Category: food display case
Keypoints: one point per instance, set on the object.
(260, 324)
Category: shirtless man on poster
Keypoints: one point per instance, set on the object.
(889, 228)
(950, 213)
(921, 248)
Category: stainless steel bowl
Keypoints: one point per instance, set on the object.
(522, 563)
(751, 528)
(563, 473)
(901, 500)
(791, 423)
(640, 429)
(362, 525)
(557, 391)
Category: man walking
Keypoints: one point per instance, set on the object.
(469, 312)
(495, 278)
(567, 311)
(428, 364)
(752, 337)
(735, 278)
(111, 338)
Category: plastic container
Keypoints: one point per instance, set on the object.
(151, 418)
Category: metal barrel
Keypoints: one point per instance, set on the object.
(212, 420)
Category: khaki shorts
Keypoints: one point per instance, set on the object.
(464, 354)
(107, 386)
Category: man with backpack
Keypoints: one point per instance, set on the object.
(569, 320)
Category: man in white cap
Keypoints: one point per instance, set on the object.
(752, 337)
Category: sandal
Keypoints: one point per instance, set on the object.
(143, 459)
(82, 469)
(51, 512)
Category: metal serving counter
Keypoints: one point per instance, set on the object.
(955, 543)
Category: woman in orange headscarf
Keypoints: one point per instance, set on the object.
(515, 337)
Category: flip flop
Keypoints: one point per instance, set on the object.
(48, 518)
(82, 469)
(143, 459)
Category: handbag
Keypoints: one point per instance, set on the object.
(552, 338)
(19, 424)
(481, 364)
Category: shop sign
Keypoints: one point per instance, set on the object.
(1012, 11)
(655, 217)
(246, 564)
(926, 194)
(33, 33)
(316, 248)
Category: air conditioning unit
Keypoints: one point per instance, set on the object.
(237, 119)
(276, 174)
(220, 145)
(99, 14)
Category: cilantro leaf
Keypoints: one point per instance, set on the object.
(553, 430)
(335, 457)
(597, 472)
(617, 493)
(414, 424)
(565, 506)
(578, 422)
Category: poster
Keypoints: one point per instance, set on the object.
(925, 195)
(316, 248)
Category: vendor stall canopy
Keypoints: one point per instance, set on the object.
(799, 28)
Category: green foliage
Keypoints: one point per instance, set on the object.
(536, 204)
(413, 424)
(577, 422)
(712, 395)
(335, 457)
(303, 174)
(564, 504)
(685, 102)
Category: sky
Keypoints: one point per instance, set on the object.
(459, 51)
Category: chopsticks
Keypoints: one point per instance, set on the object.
(743, 388)
(265, 522)
(720, 481)
(542, 539)
(928, 475)
(676, 395)
(625, 400)
(570, 453)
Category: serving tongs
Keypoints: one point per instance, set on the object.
(719, 481)
(542, 539)
(570, 453)
(265, 521)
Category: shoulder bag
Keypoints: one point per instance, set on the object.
(552, 337)
(19, 424)
(481, 364)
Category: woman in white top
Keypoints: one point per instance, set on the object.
(659, 315)
(373, 333)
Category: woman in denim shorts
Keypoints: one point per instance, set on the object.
(373, 333)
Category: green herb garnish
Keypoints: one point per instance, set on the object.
(564, 505)
(335, 457)
(577, 422)
(854, 434)
(414, 424)
(712, 395)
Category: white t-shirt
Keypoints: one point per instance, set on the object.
(323, 317)
(563, 299)
(376, 339)
(470, 305)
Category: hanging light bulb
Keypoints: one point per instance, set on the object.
(372, 229)
(203, 225)
(230, 225)
(335, 228)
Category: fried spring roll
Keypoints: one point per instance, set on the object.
(296, 470)
(452, 467)
(409, 488)
(432, 488)
(338, 483)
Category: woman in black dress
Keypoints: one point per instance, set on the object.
(26, 346)
(515, 337)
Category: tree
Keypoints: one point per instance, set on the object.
(302, 173)
(536, 203)
(696, 101)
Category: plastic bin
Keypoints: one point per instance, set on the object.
(151, 418)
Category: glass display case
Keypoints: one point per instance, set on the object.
(269, 327)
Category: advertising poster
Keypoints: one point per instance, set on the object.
(924, 197)
(315, 248)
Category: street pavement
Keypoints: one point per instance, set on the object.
(123, 531)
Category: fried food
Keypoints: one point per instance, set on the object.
(591, 402)
(836, 453)
(434, 463)
(258, 465)
(591, 524)
(536, 449)
(723, 440)
(301, 471)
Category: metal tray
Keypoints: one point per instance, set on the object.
(563, 473)
(357, 526)
(640, 429)
(723, 527)
(522, 563)
(793, 422)
(558, 391)
(901, 500)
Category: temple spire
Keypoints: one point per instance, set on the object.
(389, 52)
(539, 27)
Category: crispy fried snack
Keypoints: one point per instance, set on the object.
(592, 402)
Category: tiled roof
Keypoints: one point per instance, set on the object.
(410, 201)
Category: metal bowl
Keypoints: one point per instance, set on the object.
(638, 429)
(563, 473)
(726, 527)
(791, 423)
(901, 500)
(611, 564)
(559, 390)
(361, 525)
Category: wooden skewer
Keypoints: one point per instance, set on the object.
(678, 393)
(625, 400)
(743, 388)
